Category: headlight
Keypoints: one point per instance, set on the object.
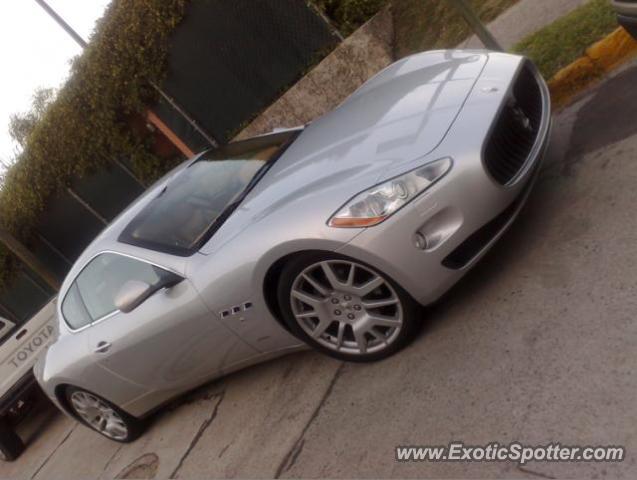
(373, 206)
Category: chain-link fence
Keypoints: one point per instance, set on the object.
(231, 59)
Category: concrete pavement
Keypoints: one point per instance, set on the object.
(536, 345)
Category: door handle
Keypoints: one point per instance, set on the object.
(103, 347)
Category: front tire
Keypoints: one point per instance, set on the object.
(102, 416)
(346, 308)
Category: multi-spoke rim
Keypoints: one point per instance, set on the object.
(346, 307)
(99, 415)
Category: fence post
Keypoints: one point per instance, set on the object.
(479, 28)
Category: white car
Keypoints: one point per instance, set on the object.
(20, 347)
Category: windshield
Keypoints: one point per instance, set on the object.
(192, 206)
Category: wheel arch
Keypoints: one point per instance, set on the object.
(271, 282)
(60, 395)
(273, 275)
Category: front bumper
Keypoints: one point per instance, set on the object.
(465, 213)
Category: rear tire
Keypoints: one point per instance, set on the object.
(103, 416)
(11, 445)
(346, 308)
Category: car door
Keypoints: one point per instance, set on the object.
(169, 341)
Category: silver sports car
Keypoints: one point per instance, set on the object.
(330, 236)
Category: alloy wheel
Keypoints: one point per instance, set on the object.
(346, 307)
(99, 415)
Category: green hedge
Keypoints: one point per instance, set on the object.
(88, 124)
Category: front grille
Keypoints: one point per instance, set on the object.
(515, 130)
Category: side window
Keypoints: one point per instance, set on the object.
(92, 295)
(73, 309)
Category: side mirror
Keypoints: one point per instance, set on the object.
(132, 294)
(135, 292)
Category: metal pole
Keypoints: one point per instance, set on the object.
(335, 31)
(78, 39)
(86, 206)
(171, 101)
(82, 43)
(479, 28)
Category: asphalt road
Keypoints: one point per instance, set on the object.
(536, 345)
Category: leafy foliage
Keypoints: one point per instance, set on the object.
(22, 124)
(348, 15)
(565, 40)
(88, 125)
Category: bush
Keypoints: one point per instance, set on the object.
(565, 40)
(348, 15)
(88, 124)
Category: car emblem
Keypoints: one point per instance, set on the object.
(522, 118)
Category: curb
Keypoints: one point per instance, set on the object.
(600, 59)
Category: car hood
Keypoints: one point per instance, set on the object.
(401, 114)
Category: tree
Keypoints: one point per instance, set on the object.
(20, 127)
(5, 163)
(22, 124)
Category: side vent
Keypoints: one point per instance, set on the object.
(235, 310)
